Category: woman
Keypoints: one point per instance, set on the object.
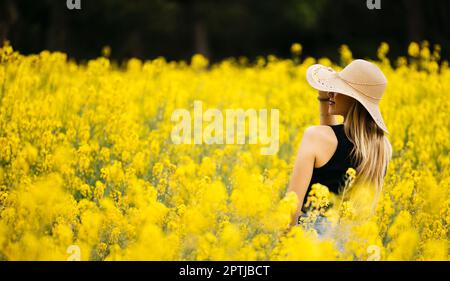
(329, 149)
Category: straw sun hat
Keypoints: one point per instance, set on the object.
(361, 80)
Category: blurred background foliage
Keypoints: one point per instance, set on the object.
(176, 29)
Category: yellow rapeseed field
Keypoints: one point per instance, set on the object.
(88, 169)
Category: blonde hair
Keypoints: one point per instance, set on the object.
(372, 150)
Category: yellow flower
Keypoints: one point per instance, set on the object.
(413, 49)
(296, 49)
(346, 54)
(198, 62)
(383, 50)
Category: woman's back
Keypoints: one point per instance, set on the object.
(331, 172)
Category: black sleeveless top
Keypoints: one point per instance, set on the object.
(332, 173)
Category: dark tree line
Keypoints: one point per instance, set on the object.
(178, 28)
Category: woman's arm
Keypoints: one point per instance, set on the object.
(306, 155)
(325, 118)
(303, 168)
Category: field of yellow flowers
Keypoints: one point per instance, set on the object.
(88, 170)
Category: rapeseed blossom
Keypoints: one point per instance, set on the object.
(86, 162)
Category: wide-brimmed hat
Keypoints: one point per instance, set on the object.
(361, 80)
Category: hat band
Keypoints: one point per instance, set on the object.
(360, 83)
(359, 91)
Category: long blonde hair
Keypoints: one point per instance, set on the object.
(372, 150)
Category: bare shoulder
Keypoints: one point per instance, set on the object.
(319, 133)
(316, 138)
